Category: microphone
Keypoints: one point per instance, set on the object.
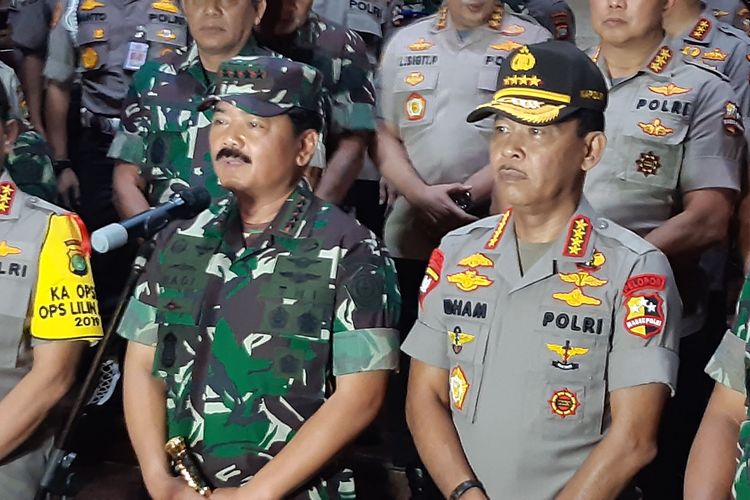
(183, 205)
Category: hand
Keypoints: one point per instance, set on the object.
(474, 494)
(388, 193)
(68, 188)
(437, 207)
(174, 488)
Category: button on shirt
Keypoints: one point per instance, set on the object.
(532, 358)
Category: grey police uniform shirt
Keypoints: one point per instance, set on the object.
(362, 16)
(30, 22)
(430, 78)
(724, 48)
(103, 36)
(672, 128)
(13, 90)
(532, 359)
(733, 12)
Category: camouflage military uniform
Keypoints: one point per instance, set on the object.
(341, 56)
(250, 334)
(160, 124)
(29, 163)
(730, 366)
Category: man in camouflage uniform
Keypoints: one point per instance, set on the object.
(29, 163)
(293, 30)
(159, 147)
(714, 468)
(48, 307)
(272, 321)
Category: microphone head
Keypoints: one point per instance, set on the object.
(194, 201)
(109, 238)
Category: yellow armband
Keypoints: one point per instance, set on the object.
(65, 306)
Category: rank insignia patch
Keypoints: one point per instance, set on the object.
(579, 233)
(648, 164)
(459, 338)
(655, 128)
(645, 317)
(700, 29)
(577, 297)
(420, 45)
(415, 107)
(732, 120)
(668, 90)
(715, 55)
(506, 46)
(414, 78)
(476, 260)
(432, 274)
(7, 195)
(6, 249)
(566, 352)
(469, 280)
(564, 403)
(459, 387)
(660, 60)
(498, 232)
(691, 51)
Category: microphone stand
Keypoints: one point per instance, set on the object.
(60, 479)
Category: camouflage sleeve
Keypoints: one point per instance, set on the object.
(646, 329)
(354, 95)
(139, 323)
(428, 340)
(29, 164)
(367, 309)
(129, 144)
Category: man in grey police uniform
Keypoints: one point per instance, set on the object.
(546, 344)
(431, 72)
(734, 12)
(670, 174)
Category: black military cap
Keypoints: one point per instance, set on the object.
(545, 83)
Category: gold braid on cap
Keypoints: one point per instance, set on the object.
(528, 110)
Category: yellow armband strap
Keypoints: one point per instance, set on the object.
(65, 306)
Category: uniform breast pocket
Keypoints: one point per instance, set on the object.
(16, 276)
(168, 144)
(415, 89)
(566, 388)
(164, 38)
(300, 298)
(467, 347)
(652, 156)
(94, 49)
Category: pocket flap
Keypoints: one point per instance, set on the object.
(416, 79)
(167, 34)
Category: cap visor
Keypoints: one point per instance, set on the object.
(545, 114)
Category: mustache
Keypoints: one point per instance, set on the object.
(232, 153)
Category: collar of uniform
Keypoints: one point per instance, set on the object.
(444, 23)
(11, 198)
(289, 222)
(702, 32)
(660, 63)
(192, 60)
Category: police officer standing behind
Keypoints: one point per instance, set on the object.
(47, 305)
(272, 322)
(546, 343)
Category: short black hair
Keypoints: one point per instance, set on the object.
(588, 121)
(303, 119)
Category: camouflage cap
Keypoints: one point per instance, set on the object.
(544, 83)
(267, 86)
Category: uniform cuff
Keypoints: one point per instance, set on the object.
(651, 365)
(139, 323)
(727, 365)
(128, 147)
(725, 174)
(356, 351)
(427, 345)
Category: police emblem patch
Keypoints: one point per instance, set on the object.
(564, 403)
(458, 338)
(645, 317)
(655, 128)
(431, 275)
(524, 60)
(566, 352)
(648, 164)
(89, 58)
(420, 45)
(459, 387)
(732, 120)
(415, 107)
(691, 51)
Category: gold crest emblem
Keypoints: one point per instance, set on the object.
(715, 55)
(89, 58)
(524, 60)
(414, 78)
(420, 45)
(506, 46)
(166, 6)
(90, 5)
(6, 249)
(476, 260)
(668, 90)
(655, 128)
(469, 280)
